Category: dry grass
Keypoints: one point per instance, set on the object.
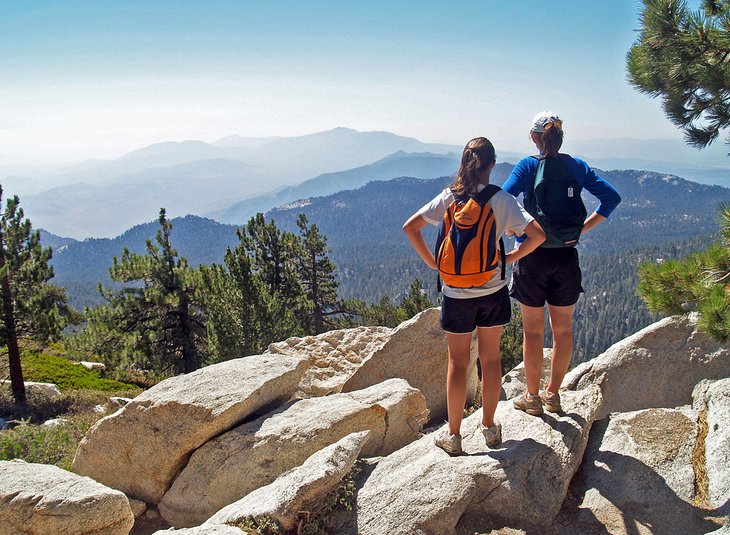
(699, 460)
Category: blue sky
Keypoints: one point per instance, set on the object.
(89, 79)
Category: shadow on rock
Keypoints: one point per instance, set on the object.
(639, 499)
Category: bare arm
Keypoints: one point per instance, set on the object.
(412, 228)
(535, 236)
(592, 221)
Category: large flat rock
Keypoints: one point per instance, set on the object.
(299, 489)
(656, 367)
(420, 489)
(637, 477)
(417, 352)
(41, 499)
(142, 447)
(254, 454)
(333, 356)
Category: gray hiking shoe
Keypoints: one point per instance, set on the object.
(451, 444)
(551, 401)
(493, 434)
(529, 404)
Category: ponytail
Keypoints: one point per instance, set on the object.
(551, 139)
(478, 155)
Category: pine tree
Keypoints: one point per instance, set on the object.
(416, 300)
(316, 274)
(383, 313)
(273, 258)
(511, 340)
(684, 57)
(699, 282)
(157, 320)
(244, 316)
(31, 307)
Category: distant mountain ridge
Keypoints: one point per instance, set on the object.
(422, 165)
(102, 199)
(81, 265)
(363, 230)
(233, 177)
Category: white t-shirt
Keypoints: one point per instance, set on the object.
(510, 218)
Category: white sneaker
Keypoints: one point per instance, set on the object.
(451, 444)
(492, 435)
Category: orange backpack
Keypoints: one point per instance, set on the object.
(466, 247)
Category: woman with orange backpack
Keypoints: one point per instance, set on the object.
(551, 184)
(473, 215)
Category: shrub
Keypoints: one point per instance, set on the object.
(46, 444)
(41, 407)
(316, 521)
(698, 282)
(45, 367)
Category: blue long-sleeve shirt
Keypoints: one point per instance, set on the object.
(522, 177)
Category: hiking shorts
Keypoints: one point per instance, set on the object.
(462, 316)
(549, 276)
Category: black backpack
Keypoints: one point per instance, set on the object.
(555, 202)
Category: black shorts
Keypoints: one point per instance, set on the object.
(547, 275)
(462, 316)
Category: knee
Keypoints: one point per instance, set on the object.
(459, 364)
(533, 331)
(563, 332)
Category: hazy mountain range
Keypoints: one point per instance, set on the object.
(102, 199)
(372, 254)
(422, 165)
(234, 177)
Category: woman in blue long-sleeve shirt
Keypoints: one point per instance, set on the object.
(551, 274)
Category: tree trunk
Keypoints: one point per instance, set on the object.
(190, 363)
(318, 320)
(16, 371)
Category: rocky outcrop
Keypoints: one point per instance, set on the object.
(637, 477)
(256, 453)
(353, 359)
(300, 489)
(138, 508)
(242, 435)
(332, 357)
(39, 499)
(656, 367)
(92, 365)
(419, 489)
(141, 448)
(417, 352)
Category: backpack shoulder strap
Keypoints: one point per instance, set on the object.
(487, 193)
(539, 173)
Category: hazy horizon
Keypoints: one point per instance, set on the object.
(94, 81)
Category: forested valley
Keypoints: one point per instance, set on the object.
(661, 216)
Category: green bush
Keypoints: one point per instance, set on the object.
(698, 282)
(41, 407)
(45, 367)
(46, 444)
(316, 521)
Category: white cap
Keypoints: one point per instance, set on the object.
(542, 119)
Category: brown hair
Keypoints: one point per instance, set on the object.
(478, 155)
(551, 139)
